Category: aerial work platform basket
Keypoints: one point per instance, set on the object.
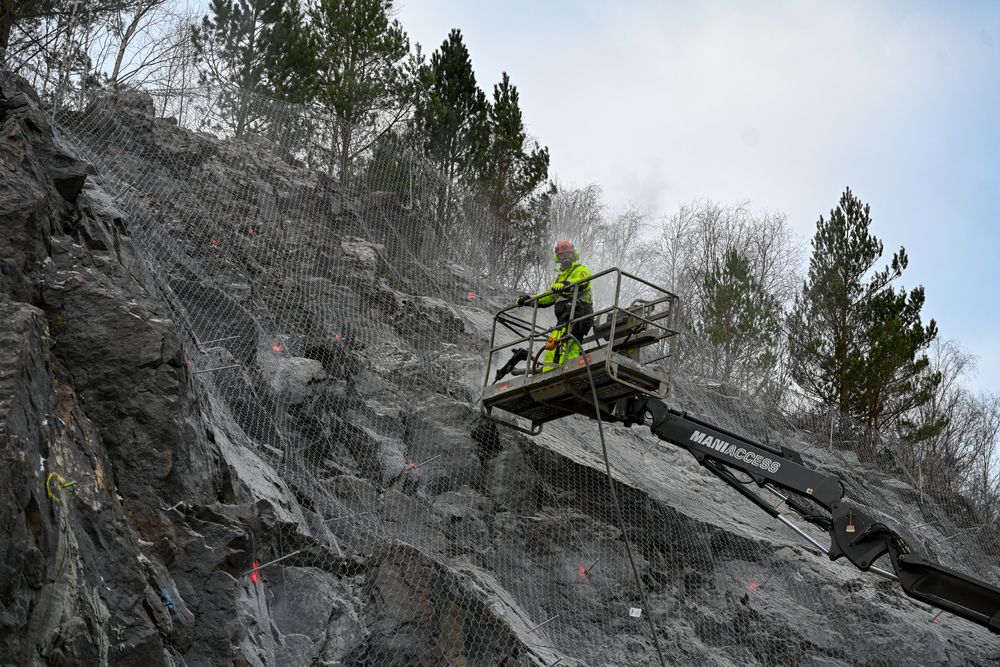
(627, 351)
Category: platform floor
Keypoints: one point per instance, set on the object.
(566, 390)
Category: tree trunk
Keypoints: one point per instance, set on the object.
(843, 390)
(64, 74)
(6, 23)
(241, 115)
(247, 76)
(345, 154)
(113, 80)
(331, 159)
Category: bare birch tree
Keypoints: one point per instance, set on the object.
(734, 270)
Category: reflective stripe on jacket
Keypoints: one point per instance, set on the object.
(573, 274)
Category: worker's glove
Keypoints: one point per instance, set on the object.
(558, 287)
(523, 300)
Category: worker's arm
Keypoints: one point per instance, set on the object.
(562, 286)
(543, 301)
(548, 298)
(565, 287)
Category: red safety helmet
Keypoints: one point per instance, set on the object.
(564, 248)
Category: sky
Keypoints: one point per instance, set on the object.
(782, 104)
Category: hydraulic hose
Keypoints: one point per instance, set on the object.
(618, 509)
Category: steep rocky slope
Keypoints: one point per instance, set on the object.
(140, 486)
(100, 431)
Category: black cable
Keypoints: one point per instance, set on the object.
(618, 509)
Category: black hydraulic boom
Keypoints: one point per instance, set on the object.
(853, 533)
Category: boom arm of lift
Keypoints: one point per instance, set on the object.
(853, 533)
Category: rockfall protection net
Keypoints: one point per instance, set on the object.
(337, 325)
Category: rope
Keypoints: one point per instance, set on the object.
(618, 509)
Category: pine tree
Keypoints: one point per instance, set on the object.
(362, 74)
(854, 342)
(739, 321)
(513, 167)
(292, 53)
(235, 42)
(450, 121)
(895, 378)
(511, 172)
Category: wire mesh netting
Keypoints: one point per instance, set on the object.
(337, 322)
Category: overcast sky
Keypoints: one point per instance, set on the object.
(780, 103)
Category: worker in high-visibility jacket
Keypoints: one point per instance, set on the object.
(573, 280)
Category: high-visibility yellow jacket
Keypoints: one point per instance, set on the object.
(577, 272)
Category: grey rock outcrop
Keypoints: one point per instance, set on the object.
(116, 548)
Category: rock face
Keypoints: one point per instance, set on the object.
(125, 529)
(311, 402)
(101, 432)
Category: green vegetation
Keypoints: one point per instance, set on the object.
(856, 342)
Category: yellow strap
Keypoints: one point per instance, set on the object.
(63, 484)
(48, 483)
